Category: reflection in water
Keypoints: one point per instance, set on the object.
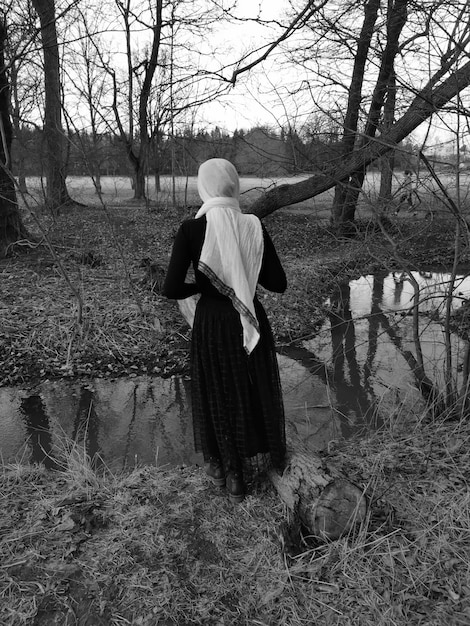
(360, 367)
(369, 341)
(308, 399)
(353, 395)
(126, 422)
(38, 432)
(121, 422)
(86, 426)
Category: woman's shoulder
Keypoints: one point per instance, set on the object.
(193, 223)
(194, 227)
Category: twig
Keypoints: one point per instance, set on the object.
(54, 255)
(302, 17)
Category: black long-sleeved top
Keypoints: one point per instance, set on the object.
(187, 249)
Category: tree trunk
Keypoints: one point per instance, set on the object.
(387, 162)
(140, 170)
(387, 165)
(18, 131)
(327, 504)
(11, 226)
(156, 140)
(354, 103)
(57, 194)
(97, 180)
(397, 16)
(151, 67)
(428, 101)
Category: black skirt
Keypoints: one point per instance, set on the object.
(238, 413)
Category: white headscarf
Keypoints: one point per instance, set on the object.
(232, 252)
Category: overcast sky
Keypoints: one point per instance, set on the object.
(261, 96)
(247, 103)
(253, 101)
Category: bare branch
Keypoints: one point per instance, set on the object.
(428, 101)
(296, 23)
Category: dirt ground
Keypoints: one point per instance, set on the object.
(79, 298)
(158, 547)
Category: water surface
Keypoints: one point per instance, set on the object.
(356, 373)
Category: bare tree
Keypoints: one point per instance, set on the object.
(24, 72)
(347, 192)
(57, 194)
(11, 226)
(162, 78)
(90, 93)
(389, 31)
(23, 86)
(387, 162)
(351, 119)
(137, 151)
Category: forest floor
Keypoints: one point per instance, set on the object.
(162, 546)
(79, 302)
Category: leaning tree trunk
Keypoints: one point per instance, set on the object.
(430, 99)
(11, 226)
(328, 505)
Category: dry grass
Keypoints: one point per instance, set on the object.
(161, 547)
(158, 546)
(113, 324)
(124, 324)
(411, 565)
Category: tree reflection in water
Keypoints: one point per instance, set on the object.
(86, 427)
(358, 369)
(39, 436)
(370, 356)
(355, 397)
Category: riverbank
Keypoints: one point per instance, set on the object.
(77, 302)
(163, 547)
(157, 547)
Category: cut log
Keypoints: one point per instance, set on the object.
(328, 505)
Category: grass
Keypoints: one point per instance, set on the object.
(116, 321)
(158, 546)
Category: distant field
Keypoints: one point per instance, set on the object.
(118, 190)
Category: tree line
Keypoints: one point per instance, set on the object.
(258, 151)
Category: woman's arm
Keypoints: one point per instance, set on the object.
(175, 286)
(272, 275)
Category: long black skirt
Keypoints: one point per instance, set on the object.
(238, 413)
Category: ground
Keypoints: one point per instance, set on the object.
(162, 547)
(78, 301)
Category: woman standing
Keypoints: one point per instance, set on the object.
(238, 414)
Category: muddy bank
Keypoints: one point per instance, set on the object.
(120, 327)
(358, 369)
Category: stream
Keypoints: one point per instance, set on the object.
(354, 375)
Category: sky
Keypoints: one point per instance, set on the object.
(248, 104)
(259, 97)
(241, 108)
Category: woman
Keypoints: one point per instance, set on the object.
(238, 414)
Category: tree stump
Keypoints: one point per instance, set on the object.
(327, 503)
